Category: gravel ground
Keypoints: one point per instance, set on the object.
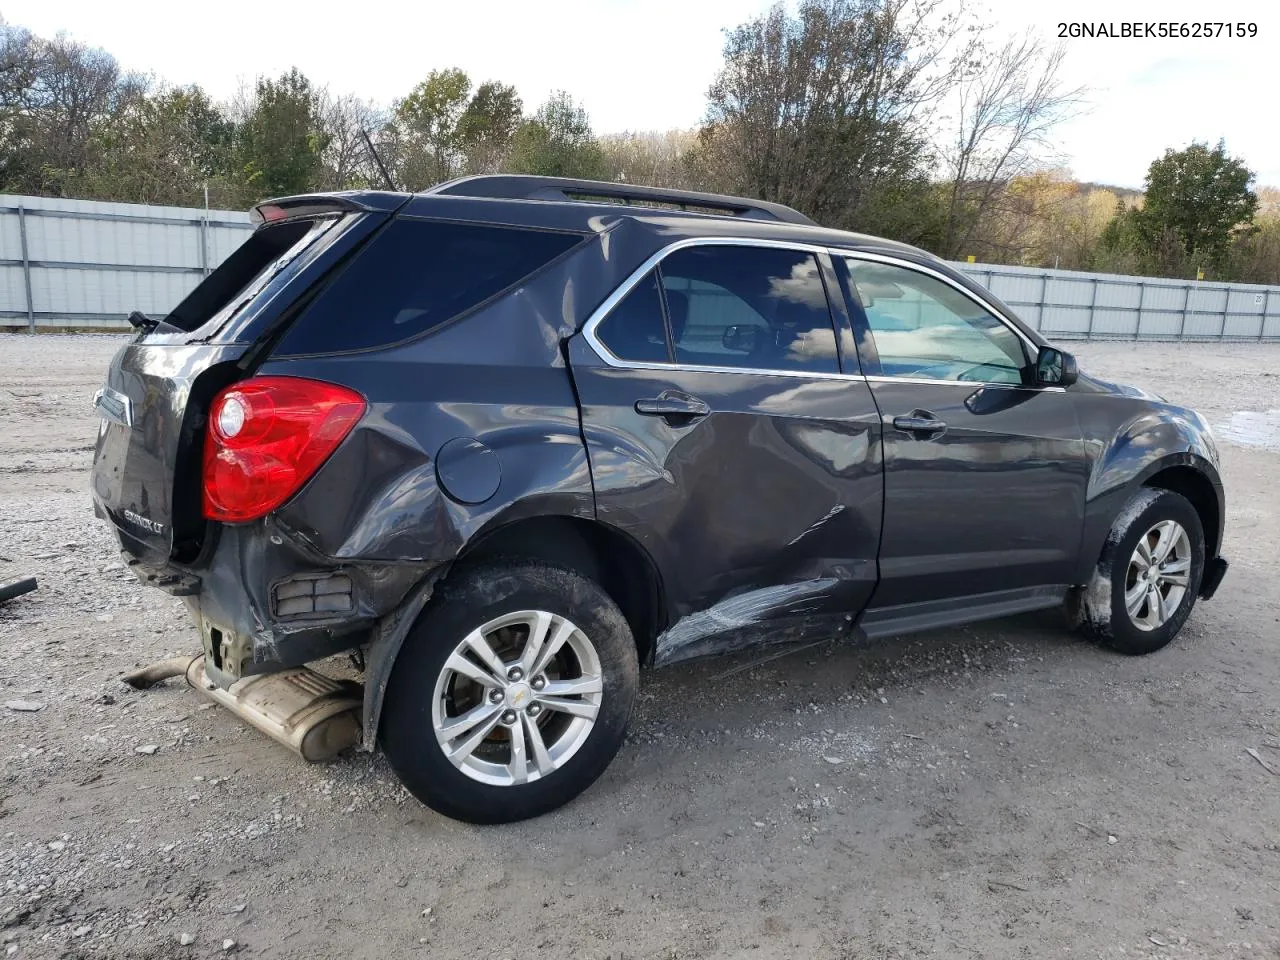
(1004, 790)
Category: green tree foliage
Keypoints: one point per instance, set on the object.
(487, 126)
(1199, 204)
(279, 144)
(1201, 197)
(18, 66)
(441, 130)
(54, 95)
(893, 117)
(162, 148)
(425, 129)
(557, 141)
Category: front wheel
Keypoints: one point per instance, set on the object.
(512, 693)
(1149, 573)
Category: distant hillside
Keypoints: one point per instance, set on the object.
(1127, 194)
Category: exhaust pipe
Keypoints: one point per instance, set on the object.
(314, 716)
(153, 673)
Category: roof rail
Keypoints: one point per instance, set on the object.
(521, 187)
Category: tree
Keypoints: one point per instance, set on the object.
(280, 142)
(18, 66)
(345, 162)
(828, 109)
(1008, 100)
(55, 94)
(1255, 256)
(424, 129)
(487, 126)
(1200, 197)
(163, 147)
(557, 142)
(658, 159)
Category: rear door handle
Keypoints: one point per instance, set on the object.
(920, 422)
(673, 408)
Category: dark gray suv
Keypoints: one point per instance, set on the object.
(505, 441)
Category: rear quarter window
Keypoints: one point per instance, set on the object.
(415, 275)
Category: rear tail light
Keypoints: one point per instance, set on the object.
(267, 436)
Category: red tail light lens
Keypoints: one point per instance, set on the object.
(266, 438)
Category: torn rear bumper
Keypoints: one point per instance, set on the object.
(264, 600)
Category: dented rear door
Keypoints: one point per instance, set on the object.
(747, 464)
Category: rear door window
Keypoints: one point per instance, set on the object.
(416, 275)
(761, 308)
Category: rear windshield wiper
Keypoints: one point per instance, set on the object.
(145, 325)
(142, 322)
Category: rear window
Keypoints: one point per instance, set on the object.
(416, 275)
(240, 277)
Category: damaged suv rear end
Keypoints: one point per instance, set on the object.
(305, 444)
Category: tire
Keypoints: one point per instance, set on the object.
(440, 678)
(1121, 610)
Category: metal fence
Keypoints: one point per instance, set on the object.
(1068, 304)
(84, 264)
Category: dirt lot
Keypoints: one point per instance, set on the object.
(999, 791)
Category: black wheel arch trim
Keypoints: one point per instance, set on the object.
(1104, 505)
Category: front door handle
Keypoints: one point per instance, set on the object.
(920, 423)
(673, 408)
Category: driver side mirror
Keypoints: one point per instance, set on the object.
(1055, 368)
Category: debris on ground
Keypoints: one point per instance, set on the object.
(1266, 764)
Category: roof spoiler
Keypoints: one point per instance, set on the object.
(320, 204)
(518, 187)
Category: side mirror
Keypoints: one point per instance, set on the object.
(741, 337)
(1055, 368)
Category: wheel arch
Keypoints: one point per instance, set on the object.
(1185, 472)
(1196, 486)
(622, 567)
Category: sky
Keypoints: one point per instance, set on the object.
(646, 64)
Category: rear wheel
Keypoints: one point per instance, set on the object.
(512, 693)
(1149, 573)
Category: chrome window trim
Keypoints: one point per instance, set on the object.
(927, 381)
(624, 288)
(620, 292)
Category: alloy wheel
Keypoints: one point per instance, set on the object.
(517, 698)
(1158, 575)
